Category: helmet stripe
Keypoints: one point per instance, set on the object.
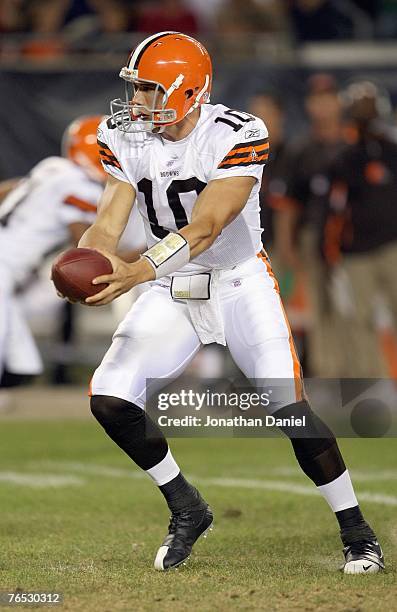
(137, 54)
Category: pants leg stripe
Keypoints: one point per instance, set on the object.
(295, 360)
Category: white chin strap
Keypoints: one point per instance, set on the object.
(175, 85)
(201, 93)
(178, 82)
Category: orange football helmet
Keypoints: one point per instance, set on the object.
(178, 69)
(79, 143)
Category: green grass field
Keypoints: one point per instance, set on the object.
(77, 517)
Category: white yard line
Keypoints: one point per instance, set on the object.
(95, 469)
(239, 483)
(40, 481)
(357, 475)
(377, 498)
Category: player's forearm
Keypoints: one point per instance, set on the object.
(200, 235)
(96, 237)
(217, 206)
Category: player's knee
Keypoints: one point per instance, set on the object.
(131, 429)
(108, 409)
(310, 439)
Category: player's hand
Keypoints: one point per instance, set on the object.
(123, 278)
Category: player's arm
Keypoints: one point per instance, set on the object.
(104, 234)
(113, 212)
(217, 205)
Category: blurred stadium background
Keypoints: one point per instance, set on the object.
(285, 60)
(288, 61)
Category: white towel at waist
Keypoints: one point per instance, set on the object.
(206, 315)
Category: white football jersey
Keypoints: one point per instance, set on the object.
(35, 216)
(168, 177)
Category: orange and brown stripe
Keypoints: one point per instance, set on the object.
(246, 154)
(107, 156)
(297, 369)
(72, 200)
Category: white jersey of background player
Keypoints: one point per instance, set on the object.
(195, 170)
(49, 208)
(40, 214)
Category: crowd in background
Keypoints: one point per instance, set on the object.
(330, 219)
(301, 20)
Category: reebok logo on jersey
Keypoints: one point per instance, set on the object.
(254, 133)
(172, 161)
(169, 173)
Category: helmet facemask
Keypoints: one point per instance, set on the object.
(132, 117)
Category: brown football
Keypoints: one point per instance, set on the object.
(74, 270)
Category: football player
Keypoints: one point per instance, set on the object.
(47, 209)
(194, 170)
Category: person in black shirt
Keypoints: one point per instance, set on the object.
(299, 222)
(268, 106)
(361, 228)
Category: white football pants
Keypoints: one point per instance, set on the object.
(18, 351)
(157, 339)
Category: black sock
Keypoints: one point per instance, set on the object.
(180, 494)
(353, 526)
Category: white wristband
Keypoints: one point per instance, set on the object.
(169, 255)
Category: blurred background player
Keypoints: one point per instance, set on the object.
(269, 107)
(299, 220)
(40, 215)
(46, 210)
(361, 230)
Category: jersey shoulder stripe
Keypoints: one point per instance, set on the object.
(246, 153)
(259, 161)
(107, 156)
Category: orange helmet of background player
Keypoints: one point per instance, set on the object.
(79, 143)
(178, 68)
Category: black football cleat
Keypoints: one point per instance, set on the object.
(184, 530)
(363, 557)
